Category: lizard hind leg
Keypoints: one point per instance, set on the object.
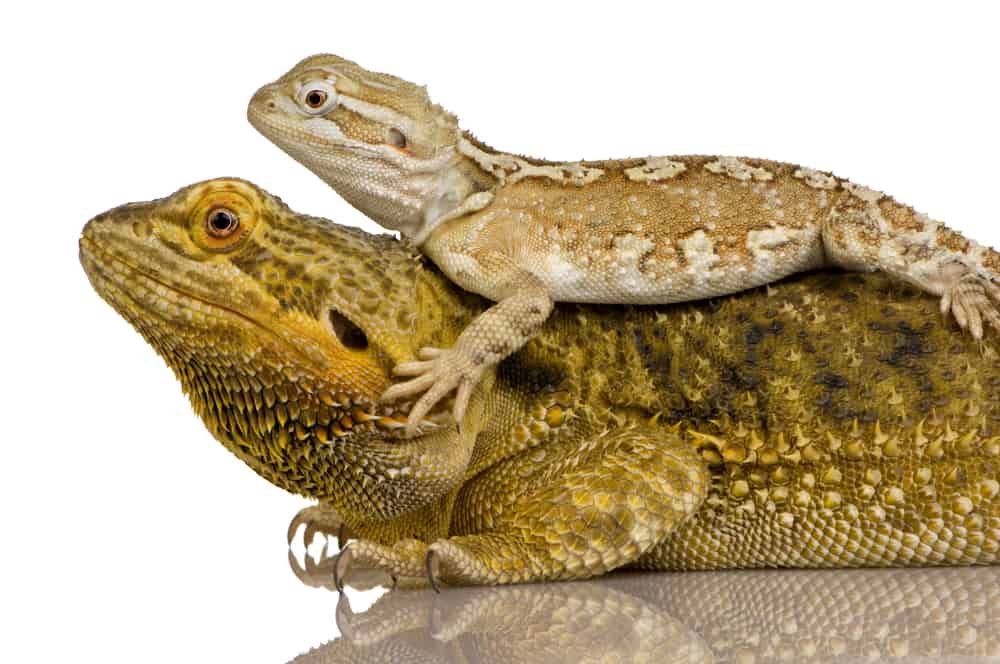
(576, 512)
(867, 230)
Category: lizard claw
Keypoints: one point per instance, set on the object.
(340, 566)
(973, 302)
(430, 562)
(437, 373)
(343, 616)
(317, 519)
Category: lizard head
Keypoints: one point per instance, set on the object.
(375, 138)
(282, 329)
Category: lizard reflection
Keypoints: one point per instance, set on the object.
(742, 616)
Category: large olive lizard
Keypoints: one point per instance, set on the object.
(831, 420)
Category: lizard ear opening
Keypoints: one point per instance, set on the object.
(349, 334)
(396, 138)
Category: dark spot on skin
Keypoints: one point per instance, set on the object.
(732, 376)
(831, 380)
(642, 264)
(909, 344)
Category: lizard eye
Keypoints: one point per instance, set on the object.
(222, 222)
(317, 98)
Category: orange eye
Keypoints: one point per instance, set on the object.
(315, 98)
(222, 222)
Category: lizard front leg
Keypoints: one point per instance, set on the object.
(523, 305)
(867, 230)
(579, 509)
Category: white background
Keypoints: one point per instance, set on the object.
(127, 532)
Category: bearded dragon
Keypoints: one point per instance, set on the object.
(526, 232)
(832, 420)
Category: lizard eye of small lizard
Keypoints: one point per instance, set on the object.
(317, 98)
(222, 222)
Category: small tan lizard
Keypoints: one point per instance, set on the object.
(827, 421)
(525, 232)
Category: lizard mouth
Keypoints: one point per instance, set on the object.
(317, 133)
(112, 274)
(151, 305)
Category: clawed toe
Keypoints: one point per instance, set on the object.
(340, 566)
(430, 562)
(973, 302)
(434, 376)
(317, 519)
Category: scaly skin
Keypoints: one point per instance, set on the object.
(527, 232)
(832, 420)
(932, 615)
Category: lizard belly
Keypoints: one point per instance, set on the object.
(638, 273)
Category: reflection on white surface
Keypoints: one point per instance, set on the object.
(932, 615)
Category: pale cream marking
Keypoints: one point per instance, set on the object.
(866, 194)
(628, 251)
(333, 76)
(372, 83)
(655, 169)
(573, 173)
(735, 168)
(510, 169)
(699, 251)
(761, 243)
(816, 179)
(379, 114)
(560, 273)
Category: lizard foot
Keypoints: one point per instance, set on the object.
(445, 561)
(318, 519)
(437, 373)
(972, 301)
(402, 564)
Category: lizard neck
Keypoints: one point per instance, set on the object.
(461, 187)
(414, 197)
